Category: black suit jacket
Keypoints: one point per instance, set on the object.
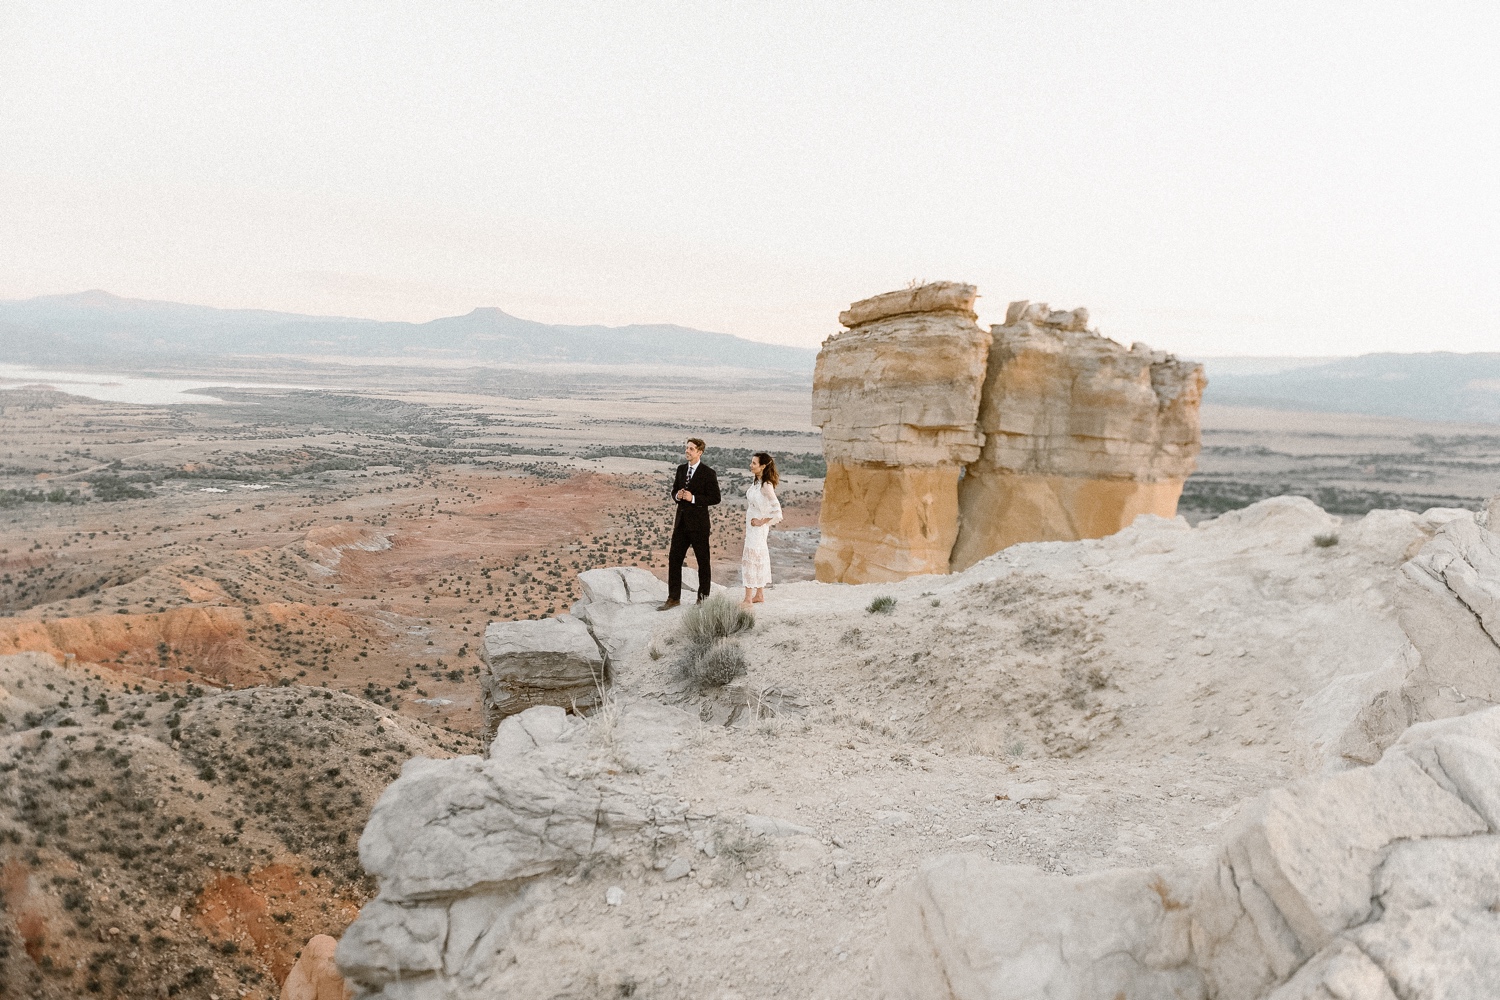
(704, 488)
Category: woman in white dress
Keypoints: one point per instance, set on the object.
(762, 510)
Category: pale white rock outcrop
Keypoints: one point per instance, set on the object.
(619, 606)
(457, 844)
(543, 868)
(1376, 882)
(552, 661)
(968, 928)
(1448, 606)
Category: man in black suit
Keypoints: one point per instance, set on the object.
(695, 489)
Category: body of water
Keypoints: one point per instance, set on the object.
(125, 388)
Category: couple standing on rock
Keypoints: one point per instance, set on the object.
(694, 490)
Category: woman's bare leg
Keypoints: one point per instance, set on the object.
(747, 599)
(760, 595)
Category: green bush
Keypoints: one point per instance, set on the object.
(1326, 541)
(883, 605)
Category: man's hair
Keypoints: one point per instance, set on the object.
(698, 443)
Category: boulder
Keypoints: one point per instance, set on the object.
(1378, 882)
(1301, 866)
(553, 661)
(933, 297)
(1081, 435)
(1489, 514)
(1448, 605)
(623, 585)
(315, 976)
(897, 397)
(969, 929)
(458, 845)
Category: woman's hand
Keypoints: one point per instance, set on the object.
(756, 522)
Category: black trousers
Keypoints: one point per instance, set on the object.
(688, 533)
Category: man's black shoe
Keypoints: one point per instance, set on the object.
(669, 604)
(702, 598)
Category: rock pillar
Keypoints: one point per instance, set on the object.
(897, 396)
(1080, 435)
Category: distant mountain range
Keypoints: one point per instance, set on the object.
(1437, 386)
(100, 328)
(97, 327)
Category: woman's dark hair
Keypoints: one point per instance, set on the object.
(768, 473)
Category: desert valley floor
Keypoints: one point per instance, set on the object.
(225, 626)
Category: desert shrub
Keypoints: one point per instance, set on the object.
(717, 665)
(882, 605)
(1327, 541)
(718, 617)
(738, 849)
(710, 656)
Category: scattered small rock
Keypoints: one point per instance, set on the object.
(678, 868)
(614, 896)
(1030, 791)
(770, 826)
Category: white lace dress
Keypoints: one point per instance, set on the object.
(755, 564)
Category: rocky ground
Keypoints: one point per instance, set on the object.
(1070, 707)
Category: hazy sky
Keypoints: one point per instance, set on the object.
(1210, 177)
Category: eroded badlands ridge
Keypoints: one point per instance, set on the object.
(1157, 736)
(946, 443)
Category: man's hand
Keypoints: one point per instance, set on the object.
(684, 495)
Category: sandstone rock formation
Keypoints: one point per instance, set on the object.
(945, 444)
(553, 661)
(1081, 436)
(315, 976)
(1368, 885)
(897, 396)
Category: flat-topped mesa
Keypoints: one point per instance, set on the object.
(1081, 435)
(897, 397)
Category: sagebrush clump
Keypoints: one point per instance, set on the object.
(711, 657)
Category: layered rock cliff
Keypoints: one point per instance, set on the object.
(897, 396)
(1081, 436)
(946, 444)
